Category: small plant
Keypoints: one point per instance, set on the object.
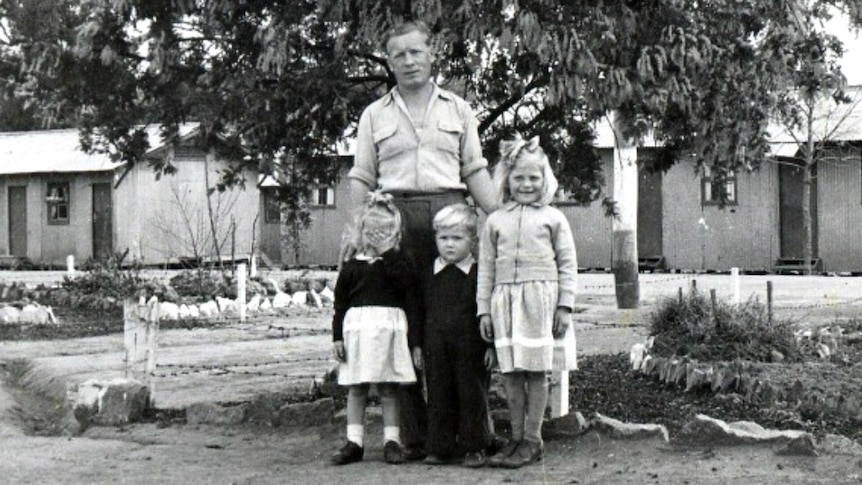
(695, 327)
(109, 280)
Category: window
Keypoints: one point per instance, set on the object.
(271, 207)
(57, 200)
(715, 191)
(323, 197)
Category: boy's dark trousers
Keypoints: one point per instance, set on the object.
(417, 212)
(457, 383)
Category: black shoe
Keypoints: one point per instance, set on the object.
(476, 459)
(349, 453)
(414, 453)
(393, 453)
(496, 443)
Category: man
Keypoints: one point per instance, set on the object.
(421, 144)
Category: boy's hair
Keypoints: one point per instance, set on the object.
(515, 149)
(405, 28)
(460, 216)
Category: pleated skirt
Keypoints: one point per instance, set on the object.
(523, 319)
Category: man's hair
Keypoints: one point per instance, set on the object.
(405, 28)
(456, 216)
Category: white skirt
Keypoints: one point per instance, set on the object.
(523, 320)
(375, 347)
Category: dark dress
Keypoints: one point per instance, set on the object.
(455, 371)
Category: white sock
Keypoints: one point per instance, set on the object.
(392, 433)
(355, 433)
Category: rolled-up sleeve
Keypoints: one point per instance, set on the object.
(471, 146)
(365, 157)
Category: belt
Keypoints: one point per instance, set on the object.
(400, 194)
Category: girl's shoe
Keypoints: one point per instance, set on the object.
(349, 453)
(528, 452)
(393, 453)
(498, 459)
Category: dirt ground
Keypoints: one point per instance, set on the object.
(169, 452)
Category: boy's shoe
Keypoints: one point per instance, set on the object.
(349, 453)
(528, 452)
(476, 459)
(498, 458)
(393, 453)
(434, 460)
(414, 453)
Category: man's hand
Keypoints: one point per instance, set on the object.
(486, 328)
(338, 351)
(562, 320)
(417, 358)
(490, 358)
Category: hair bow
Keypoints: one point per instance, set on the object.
(379, 198)
(509, 149)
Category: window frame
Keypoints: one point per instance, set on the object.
(53, 205)
(315, 198)
(708, 186)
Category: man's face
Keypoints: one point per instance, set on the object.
(410, 58)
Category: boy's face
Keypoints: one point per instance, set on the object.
(454, 244)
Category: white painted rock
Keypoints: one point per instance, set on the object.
(705, 430)
(620, 430)
(209, 309)
(300, 298)
(227, 306)
(281, 300)
(265, 305)
(113, 402)
(194, 311)
(169, 310)
(316, 301)
(184, 312)
(326, 295)
(253, 304)
(10, 314)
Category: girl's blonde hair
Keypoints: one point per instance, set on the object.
(379, 210)
(514, 150)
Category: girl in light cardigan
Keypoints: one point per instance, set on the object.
(527, 277)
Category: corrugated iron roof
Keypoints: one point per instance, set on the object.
(59, 151)
(49, 151)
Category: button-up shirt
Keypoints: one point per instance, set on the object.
(395, 153)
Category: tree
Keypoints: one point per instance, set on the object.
(276, 82)
(817, 115)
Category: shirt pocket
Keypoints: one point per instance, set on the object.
(387, 142)
(449, 133)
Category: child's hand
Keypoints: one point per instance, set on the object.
(417, 358)
(486, 328)
(490, 358)
(338, 351)
(562, 320)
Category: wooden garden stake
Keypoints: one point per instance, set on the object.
(559, 393)
(140, 334)
(769, 301)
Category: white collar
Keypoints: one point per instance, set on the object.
(464, 265)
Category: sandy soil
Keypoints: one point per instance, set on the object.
(180, 453)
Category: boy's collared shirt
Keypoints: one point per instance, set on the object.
(464, 265)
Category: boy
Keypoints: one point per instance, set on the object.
(457, 361)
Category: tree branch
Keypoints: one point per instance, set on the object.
(495, 113)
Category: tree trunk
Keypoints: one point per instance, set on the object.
(625, 247)
(807, 170)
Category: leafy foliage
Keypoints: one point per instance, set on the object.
(277, 85)
(693, 327)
